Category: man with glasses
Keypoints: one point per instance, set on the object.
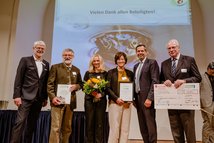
(61, 113)
(30, 92)
(175, 71)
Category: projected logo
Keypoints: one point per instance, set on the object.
(180, 2)
(110, 42)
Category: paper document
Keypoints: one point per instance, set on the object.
(126, 91)
(187, 96)
(64, 93)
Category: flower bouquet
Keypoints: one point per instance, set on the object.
(94, 86)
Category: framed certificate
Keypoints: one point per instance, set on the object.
(126, 91)
(64, 93)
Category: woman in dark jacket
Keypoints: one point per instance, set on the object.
(119, 110)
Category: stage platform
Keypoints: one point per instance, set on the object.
(41, 134)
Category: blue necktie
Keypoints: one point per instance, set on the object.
(173, 68)
(137, 77)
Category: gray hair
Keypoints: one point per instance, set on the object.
(39, 43)
(68, 50)
(173, 42)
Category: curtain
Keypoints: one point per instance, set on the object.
(41, 134)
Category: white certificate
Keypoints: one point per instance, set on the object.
(126, 91)
(64, 93)
(187, 96)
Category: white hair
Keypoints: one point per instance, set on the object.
(39, 43)
(173, 42)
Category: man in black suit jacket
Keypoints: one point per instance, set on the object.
(30, 92)
(146, 75)
(186, 72)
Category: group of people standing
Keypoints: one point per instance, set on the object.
(34, 83)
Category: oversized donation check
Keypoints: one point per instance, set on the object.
(64, 93)
(187, 96)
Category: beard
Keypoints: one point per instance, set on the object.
(67, 61)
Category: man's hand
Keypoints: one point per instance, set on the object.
(18, 101)
(178, 83)
(168, 83)
(73, 87)
(56, 101)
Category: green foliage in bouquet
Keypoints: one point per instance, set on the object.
(94, 84)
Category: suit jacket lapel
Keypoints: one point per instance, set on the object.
(44, 67)
(180, 62)
(169, 67)
(144, 66)
(142, 69)
(135, 68)
(34, 64)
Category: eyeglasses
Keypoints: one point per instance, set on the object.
(67, 55)
(172, 47)
(39, 48)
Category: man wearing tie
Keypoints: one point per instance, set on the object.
(30, 92)
(146, 75)
(175, 71)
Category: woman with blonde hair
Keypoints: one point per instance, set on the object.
(95, 102)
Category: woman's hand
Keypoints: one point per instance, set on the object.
(98, 95)
(119, 101)
(148, 103)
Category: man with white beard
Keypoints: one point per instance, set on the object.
(61, 113)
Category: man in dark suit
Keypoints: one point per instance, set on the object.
(175, 71)
(30, 92)
(61, 113)
(146, 75)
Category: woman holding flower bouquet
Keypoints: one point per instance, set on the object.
(95, 99)
(119, 110)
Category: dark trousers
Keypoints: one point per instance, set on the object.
(148, 127)
(95, 116)
(27, 111)
(182, 121)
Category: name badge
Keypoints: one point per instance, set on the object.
(183, 70)
(74, 73)
(124, 78)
